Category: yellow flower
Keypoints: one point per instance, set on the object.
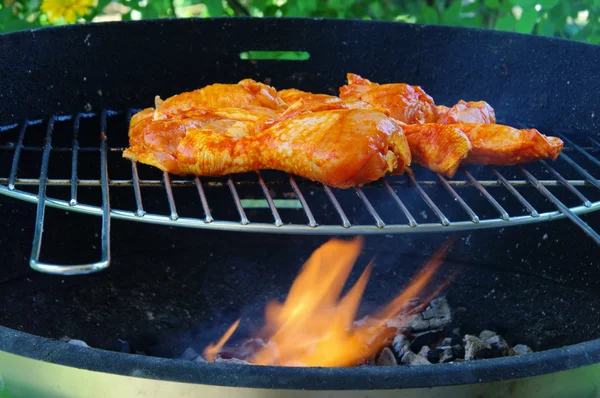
(67, 9)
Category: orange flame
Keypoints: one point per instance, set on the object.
(315, 327)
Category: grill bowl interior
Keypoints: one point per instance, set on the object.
(529, 279)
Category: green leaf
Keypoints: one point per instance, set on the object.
(546, 27)
(429, 15)
(594, 39)
(215, 8)
(471, 7)
(492, 4)
(506, 23)
(548, 4)
(451, 15)
(524, 3)
(527, 21)
(474, 22)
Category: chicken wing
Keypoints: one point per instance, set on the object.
(504, 145)
(408, 104)
(443, 147)
(439, 147)
(341, 148)
(466, 112)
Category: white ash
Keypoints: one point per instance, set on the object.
(386, 358)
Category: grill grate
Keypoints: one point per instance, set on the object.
(539, 192)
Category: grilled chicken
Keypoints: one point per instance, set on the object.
(467, 112)
(341, 148)
(408, 104)
(443, 147)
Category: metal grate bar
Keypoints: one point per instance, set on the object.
(208, 218)
(238, 202)
(459, 199)
(311, 219)
(74, 160)
(265, 190)
(411, 220)
(503, 214)
(338, 207)
(378, 221)
(466, 217)
(190, 183)
(581, 170)
(596, 143)
(581, 150)
(16, 156)
(136, 190)
(515, 193)
(561, 207)
(443, 219)
(566, 183)
(170, 198)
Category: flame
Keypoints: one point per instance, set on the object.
(315, 327)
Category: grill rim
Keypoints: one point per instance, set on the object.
(305, 378)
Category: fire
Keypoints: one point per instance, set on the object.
(315, 327)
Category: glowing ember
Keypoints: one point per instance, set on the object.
(315, 327)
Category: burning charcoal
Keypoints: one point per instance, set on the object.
(410, 358)
(458, 351)
(499, 345)
(433, 356)
(80, 343)
(423, 351)
(522, 349)
(475, 348)
(386, 358)
(188, 355)
(448, 355)
(218, 358)
(438, 313)
(418, 324)
(486, 334)
(400, 345)
(425, 338)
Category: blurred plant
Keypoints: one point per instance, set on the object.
(575, 19)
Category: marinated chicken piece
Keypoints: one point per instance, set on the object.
(154, 139)
(439, 147)
(291, 95)
(443, 147)
(245, 93)
(501, 145)
(408, 104)
(320, 102)
(341, 148)
(467, 112)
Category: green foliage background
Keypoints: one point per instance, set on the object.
(576, 19)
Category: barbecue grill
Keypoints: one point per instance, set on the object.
(68, 94)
